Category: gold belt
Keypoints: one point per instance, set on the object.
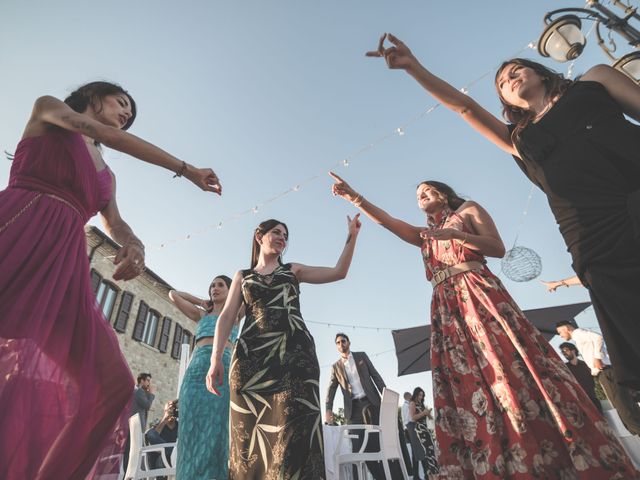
(441, 275)
(34, 200)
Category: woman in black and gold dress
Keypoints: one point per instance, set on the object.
(276, 429)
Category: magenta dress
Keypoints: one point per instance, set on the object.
(65, 387)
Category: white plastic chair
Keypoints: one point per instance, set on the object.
(139, 466)
(389, 440)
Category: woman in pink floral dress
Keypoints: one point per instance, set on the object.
(506, 406)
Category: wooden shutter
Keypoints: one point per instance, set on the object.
(96, 278)
(164, 334)
(120, 324)
(177, 341)
(138, 328)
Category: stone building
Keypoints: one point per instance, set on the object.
(150, 329)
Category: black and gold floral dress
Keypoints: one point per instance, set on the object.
(276, 429)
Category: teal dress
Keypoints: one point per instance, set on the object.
(203, 430)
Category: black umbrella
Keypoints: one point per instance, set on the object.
(413, 344)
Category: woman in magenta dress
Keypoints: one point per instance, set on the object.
(506, 406)
(64, 384)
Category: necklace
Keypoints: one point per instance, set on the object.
(438, 220)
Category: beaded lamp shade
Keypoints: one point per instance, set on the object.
(521, 264)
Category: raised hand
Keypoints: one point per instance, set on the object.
(205, 179)
(354, 225)
(397, 56)
(441, 234)
(342, 188)
(129, 262)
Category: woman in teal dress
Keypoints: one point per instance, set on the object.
(203, 429)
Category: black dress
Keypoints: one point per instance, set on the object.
(585, 156)
(276, 428)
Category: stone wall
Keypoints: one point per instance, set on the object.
(153, 291)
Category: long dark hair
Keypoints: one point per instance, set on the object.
(555, 84)
(446, 193)
(93, 93)
(414, 397)
(226, 280)
(261, 229)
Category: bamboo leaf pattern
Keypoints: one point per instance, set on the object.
(238, 408)
(275, 414)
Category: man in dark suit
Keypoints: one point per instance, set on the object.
(361, 386)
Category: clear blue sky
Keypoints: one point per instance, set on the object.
(270, 93)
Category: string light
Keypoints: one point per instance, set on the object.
(346, 325)
(345, 162)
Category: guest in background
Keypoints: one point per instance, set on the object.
(581, 371)
(421, 441)
(142, 398)
(592, 348)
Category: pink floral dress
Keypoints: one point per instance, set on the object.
(506, 407)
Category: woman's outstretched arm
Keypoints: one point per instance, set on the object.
(309, 274)
(400, 57)
(403, 230)
(52, 111)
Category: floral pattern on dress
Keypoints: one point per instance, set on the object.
(506, 407)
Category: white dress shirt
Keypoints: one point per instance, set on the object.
(354, 378)
(591, 346)
(405, 413)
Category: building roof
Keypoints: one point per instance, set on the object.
(106, 239)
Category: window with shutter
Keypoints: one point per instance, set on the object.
(164, 334)
(138, 327)
(96, 278)
(106, 298)
(150, 331)
(123, 312)
(177, 341)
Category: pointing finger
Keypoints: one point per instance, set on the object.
(336, 177)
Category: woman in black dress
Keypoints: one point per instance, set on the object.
(276, 428)
(421, 442)
(572, 140)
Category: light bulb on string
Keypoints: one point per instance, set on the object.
(296, 188)
(219, 226)
(532, 45)
(345, 162)
(400, 131)
(255, 209)
(188, 236)
(464, 90)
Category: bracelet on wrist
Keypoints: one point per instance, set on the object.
(180, 172)
(357, 201)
